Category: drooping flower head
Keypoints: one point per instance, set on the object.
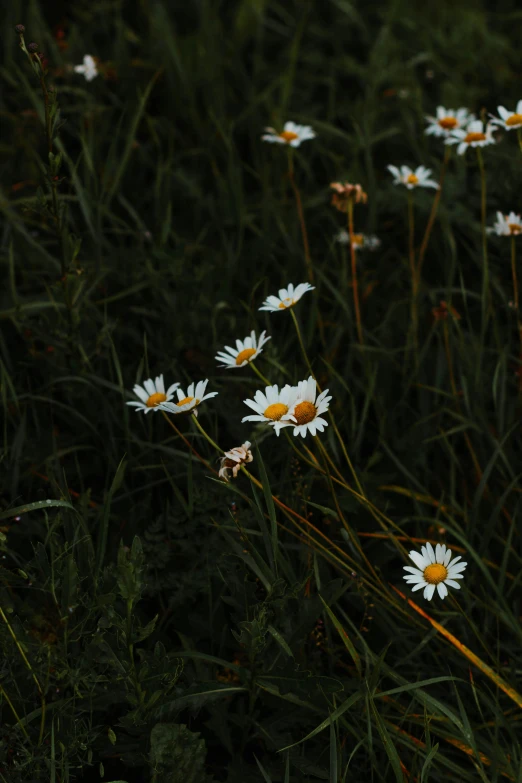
(89, 69)
(305, 413)
(292, 135)
(188, 402)
(233, 459)
(151, 394)
(434, 570)
(509, 120)
(420, 178)
(344, 193)
(245, 351)
(447, 120)
(288, 297)
(272, 405)
(507, 225)
(475, 134)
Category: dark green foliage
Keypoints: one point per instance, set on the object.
(160, 625)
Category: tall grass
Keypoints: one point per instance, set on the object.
(156, 622)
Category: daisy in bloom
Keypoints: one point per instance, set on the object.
(88, 68)
(272, 405)
(420, 178)
(245, 351)
(233, 460)
(288, 297)
(509, 119)
(507, 225)
(360, 241)
(189, 402)
(305, 413)
(476, 134)
(291, 134)
(434, 570)
(447, 120)
(152, 393)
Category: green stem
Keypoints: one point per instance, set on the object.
(486, 293)
(354, 272)
(260, 374)
(433, 213)
(514, 273)
(413, 272)
(303, 349)
(299, 204)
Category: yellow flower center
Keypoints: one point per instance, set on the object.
(305, 412)
(288, 136)
(412, 179)
(448, 123)
(276, 410)
(358, 239)
(515, 119)
(185, 400)
(244, 356)
(435, 573)
(155, 399)
(515, 228)
(475, 137)
(288, 302)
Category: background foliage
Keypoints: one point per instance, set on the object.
(156, 624)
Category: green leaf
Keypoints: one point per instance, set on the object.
(177, 755)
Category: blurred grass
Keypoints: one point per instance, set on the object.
(187, 221)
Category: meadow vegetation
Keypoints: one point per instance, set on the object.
(174, 614)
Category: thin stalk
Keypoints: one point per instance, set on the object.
(301, 345)
(433, 213)
(299, 204)
(519, 137)
(260, 374)
(514, 273)
(413, 272)
(486, 293)
(354, 272)
(188, 443)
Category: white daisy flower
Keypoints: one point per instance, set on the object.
(412, 179)
(305, 413)
(360, 241)
(507, 225)
(447, 120)
(89, 69)
(190, 401)
(152, 393)
(476, 134)
(291, 134)
(434, 570)
(245, 351)
(509, 120)
(233, 459)
(272, 405)
(288, 297)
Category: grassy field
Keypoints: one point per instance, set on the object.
(158, 622)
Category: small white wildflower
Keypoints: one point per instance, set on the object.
(292, 134)
(89, 69)
(434, 570)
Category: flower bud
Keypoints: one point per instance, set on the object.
(19, 28)
(32, 48)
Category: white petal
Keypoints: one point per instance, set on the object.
(451, 583)
(428, 592)
(419, 560)
(442, 590)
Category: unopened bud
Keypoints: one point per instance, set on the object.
(20, 28)
(32, 48)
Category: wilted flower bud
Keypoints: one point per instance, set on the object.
(344, 193)
(20, 28)
(233, 460)
(32, 47)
